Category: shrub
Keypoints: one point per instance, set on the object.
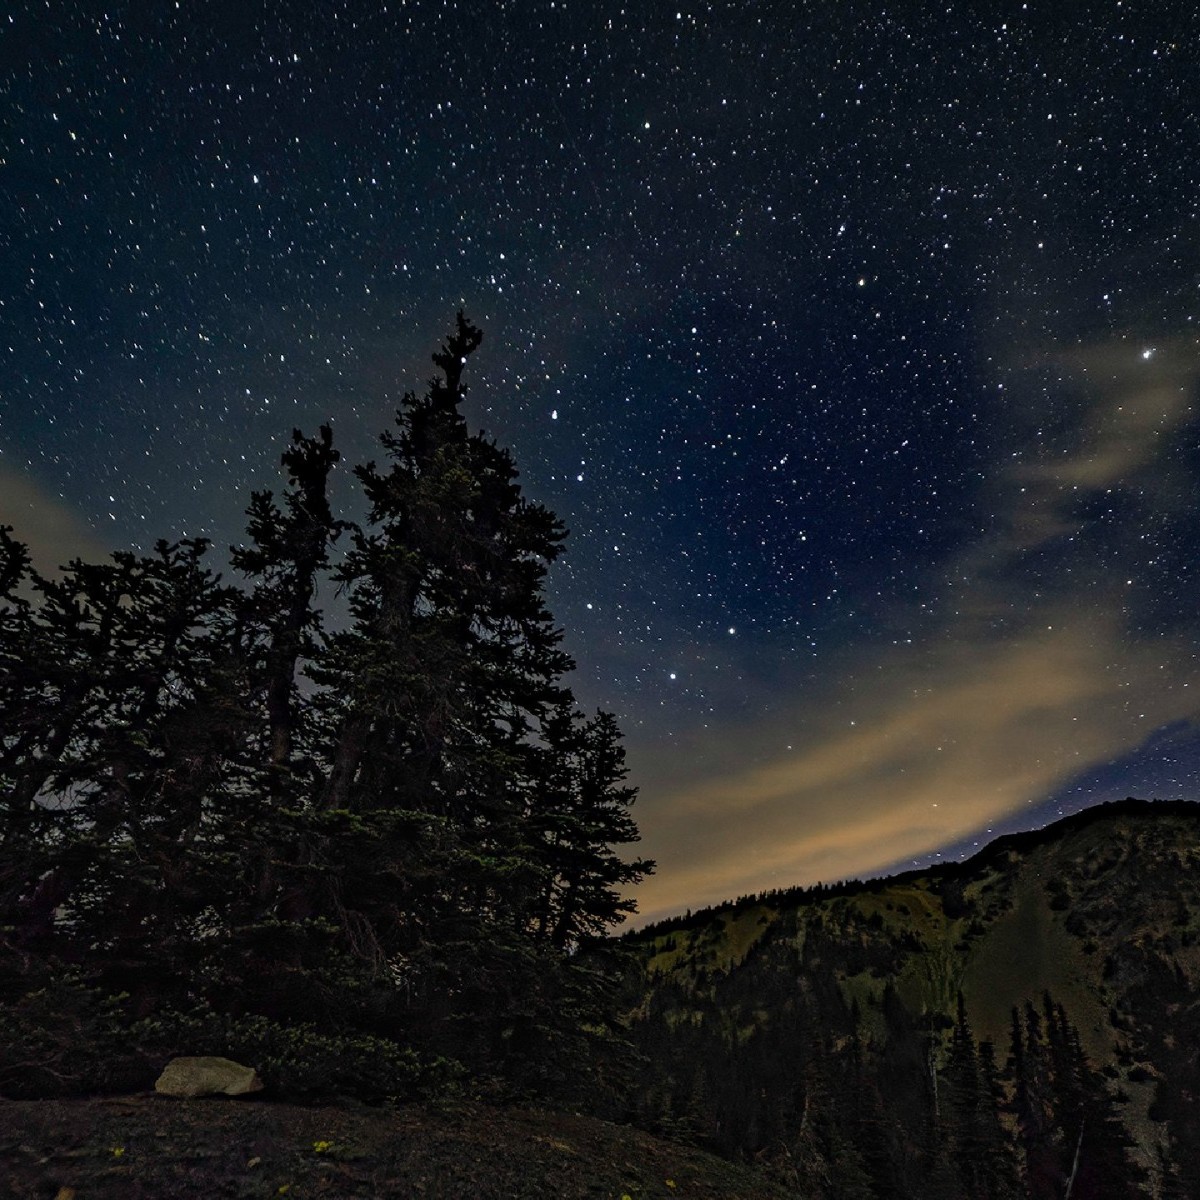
(301, 1061)
(61, 1036)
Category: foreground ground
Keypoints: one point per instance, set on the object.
(154, 1147)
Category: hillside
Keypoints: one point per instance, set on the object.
(1084, 937)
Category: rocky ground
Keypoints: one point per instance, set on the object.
(155, 1147)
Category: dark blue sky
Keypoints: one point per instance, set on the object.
(856, 344)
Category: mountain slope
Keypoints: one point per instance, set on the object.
(1084, 937)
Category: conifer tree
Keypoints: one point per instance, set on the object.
(285, 556)
(582, 821)
(105, 666)
(288, 550)
(1068, 1125)
(430, 694)
(1100, 1152)
(977, 1145)
(481, 814)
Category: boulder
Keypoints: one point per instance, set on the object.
(207, 1077)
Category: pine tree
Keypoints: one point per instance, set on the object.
(1038, 1133)
(282, 965)
(1100, 1160)
(483, 813)
(128, 673)
(288, 550)
(1069, 1128)
(1000, 1172)
(581, 820)
(977, 1145)
(429, 694)
(828, 1159)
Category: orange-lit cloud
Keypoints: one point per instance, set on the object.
(1019, 690)
(47, 525)
(942, 749)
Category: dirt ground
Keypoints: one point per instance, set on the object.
(155, 1147)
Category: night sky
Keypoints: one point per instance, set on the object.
(857, 344)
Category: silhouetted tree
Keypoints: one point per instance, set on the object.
(110, 765)
(977, 1145)
(1100, 1160)
(1068, 1125)
(399, 824)
(288, 550)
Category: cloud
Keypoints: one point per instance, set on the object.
(51, 529)
(938, 750)
(1138, 398)
(1032, 677)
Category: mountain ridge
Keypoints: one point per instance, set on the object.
(1019, 840)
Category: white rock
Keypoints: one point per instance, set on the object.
(207, 1077)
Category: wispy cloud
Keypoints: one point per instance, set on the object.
(49, 526)
(1028, 681)
(1139, 399)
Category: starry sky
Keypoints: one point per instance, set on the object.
(857, 344)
